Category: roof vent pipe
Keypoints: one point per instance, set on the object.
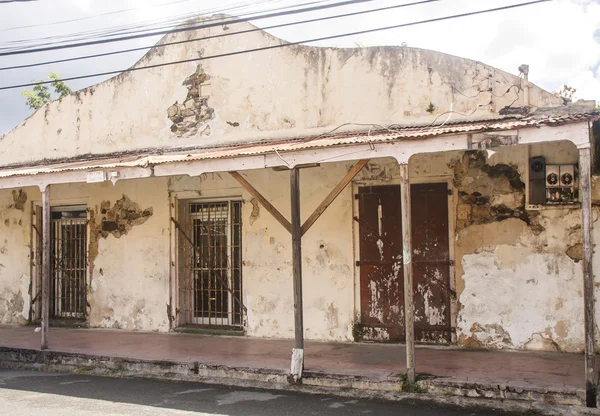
(524, 69)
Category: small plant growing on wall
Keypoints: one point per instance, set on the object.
(358, 329)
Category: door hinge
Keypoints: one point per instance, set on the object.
(449, 192)
(356, 196)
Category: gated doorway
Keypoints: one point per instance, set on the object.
(381, 264)
(210, 281)
(68, 265)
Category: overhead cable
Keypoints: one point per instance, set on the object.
(283, 45)
(162, 45)
(161, 24)
(183, 29)
(169, 23)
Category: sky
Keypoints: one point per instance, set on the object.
(559, 40)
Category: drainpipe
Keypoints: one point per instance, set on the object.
(524, 69)
(46, 253)
(588, 274)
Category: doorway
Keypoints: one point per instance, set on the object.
(68, 263)
(210, 263)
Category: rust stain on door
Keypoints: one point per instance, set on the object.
(431, 262)
(381, 267)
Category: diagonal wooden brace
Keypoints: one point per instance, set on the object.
(333, 194)
(262, 200)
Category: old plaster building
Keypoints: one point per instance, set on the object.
(168, 193)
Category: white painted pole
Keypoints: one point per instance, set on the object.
(588, 275)
(409, 310)
(45, 265)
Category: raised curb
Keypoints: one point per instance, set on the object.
(442, 391)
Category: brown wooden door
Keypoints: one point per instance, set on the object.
(381, 266)
(381, 277)
(431, 262)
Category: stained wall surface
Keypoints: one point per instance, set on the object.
(288, 92)
(517, 274)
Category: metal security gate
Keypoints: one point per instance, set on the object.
(69, 262)
(210, 253)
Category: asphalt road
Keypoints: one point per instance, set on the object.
(49, 394)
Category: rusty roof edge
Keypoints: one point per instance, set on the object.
(143, 157)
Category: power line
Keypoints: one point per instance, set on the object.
(170, 22)
(238, 10)
(86, 17)
(162, 45)
(204, 26)
(223, 55)
(234, 10)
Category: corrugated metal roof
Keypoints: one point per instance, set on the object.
(378, 135)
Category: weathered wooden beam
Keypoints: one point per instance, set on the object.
(46, 255)
(262, 200)
(409, 309)
(588, 275)
(333, 194)
(297, 365)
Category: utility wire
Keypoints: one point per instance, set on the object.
(361, 32)
(162, 45)
(238, 10)
(203, 26)
(164, 23)
(86, 17)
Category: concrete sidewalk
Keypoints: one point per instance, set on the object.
(530, 376)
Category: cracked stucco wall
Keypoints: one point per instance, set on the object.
(128, 286)
(280, 93)
(15, 255)
(327, 251)
(518, 275)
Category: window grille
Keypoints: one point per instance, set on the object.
(68, 262)
(210, 263)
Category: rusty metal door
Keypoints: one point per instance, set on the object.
(431, 262)
(381, 277)
(381, 266)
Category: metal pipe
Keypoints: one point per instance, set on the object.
(588, 274)
(46, 266)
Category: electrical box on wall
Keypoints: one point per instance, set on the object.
(552, 184)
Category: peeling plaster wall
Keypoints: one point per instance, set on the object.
(128, 286)
(327, 251)
(15, 255)
(518, 273)
(279, 93)
(517, 280)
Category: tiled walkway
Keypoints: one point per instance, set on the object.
(553, 371)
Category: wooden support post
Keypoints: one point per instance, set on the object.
(45, 265)
(333, 194)
(262, 200)
(409, 309)
(298, 351)
(588, 275)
